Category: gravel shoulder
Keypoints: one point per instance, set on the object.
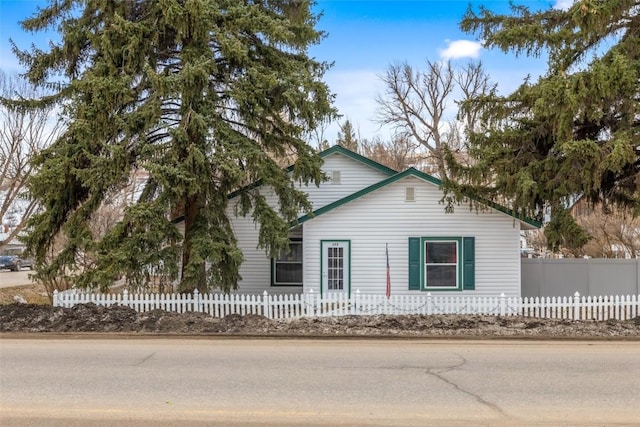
(90, 318)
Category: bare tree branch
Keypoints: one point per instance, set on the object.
(23, 134)
(399, 153)
(415, 103)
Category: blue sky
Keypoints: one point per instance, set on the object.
(364, 38)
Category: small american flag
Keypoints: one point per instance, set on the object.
(388, 273)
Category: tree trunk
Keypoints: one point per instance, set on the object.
(193, 278)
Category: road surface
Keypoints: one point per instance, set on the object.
(9, 279)
(226, 382)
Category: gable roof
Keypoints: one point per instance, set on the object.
(397, 177)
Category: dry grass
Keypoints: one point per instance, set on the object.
(33, 294)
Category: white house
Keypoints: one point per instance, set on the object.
(368, 216)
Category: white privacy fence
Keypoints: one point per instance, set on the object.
(280, 306)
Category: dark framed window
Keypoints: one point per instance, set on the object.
(441, 264)
(287, 267)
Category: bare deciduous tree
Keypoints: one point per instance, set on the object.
(23, 133)
(613, 233)
(473, 83)
(537, 241)
(398, 153)
(415, 103)
(316, 136)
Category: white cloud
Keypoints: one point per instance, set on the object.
(563, 4)
(461, 49)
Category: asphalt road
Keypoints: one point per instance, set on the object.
(14, 278)
(167, 382)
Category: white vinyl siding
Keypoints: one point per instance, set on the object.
(256, 268)
(354, 176)
(383, 217)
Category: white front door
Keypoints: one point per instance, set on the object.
(335, 266)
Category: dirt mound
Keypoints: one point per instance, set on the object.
(94, 318)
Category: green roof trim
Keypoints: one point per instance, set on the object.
(359, 158)
(397, 177)
(510, 212)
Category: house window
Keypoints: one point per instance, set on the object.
(335, 177)
(287, 268)
(441, 264)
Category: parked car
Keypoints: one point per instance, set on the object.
(15, 263)
(529, 253)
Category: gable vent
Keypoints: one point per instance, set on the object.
(409, 194)
(335, 177)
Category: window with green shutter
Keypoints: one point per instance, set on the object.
(414, 263)
(441, 263)
(469, 263)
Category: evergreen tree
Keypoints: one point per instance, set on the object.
(573, 132)
(347, 136)
(202, 95)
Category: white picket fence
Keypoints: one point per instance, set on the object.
(280, 306)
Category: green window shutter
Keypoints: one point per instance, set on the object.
(273, 271)
(468, 263)
(414, 263)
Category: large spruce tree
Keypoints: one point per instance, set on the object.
(203, 96)
(575, 130)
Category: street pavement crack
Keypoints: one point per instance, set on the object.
(438, 373)
(144, 360)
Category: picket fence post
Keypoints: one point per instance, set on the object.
(576, 306)
(266, 305)
(307, 311)
(196, 300)
(356, 298)
(125, 298)
(503, 304)
(310, 308)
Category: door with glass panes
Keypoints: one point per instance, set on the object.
(335, 266)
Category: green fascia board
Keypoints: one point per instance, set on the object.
(398, 176)
(510, 212)
(359, 158)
